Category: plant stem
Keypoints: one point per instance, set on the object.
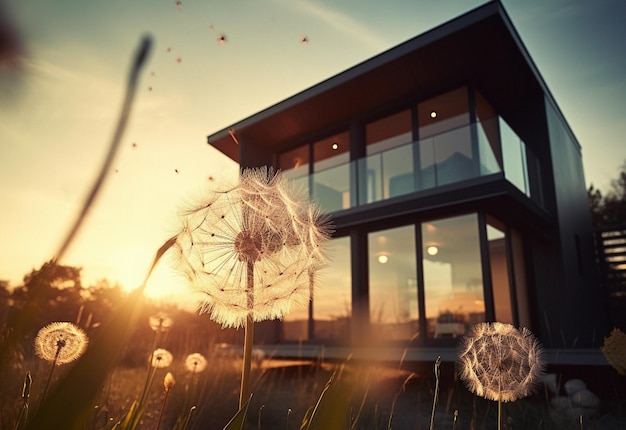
(244, 393)
(167, 392)
(499, 414)
(54, 363)
(436, 395)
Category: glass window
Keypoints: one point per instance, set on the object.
(498, 263)
(389, 132)
(389, 163)
(295, 165)
(514, 155)
(331, 178)
(393, 284)
(488, 136)
(330, 301)
(446, 154)
(519, 276)
(453, 284)
(443, 113)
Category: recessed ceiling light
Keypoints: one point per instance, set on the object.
(382, 259)
(433, 114)
(334, 145)
(432, 250)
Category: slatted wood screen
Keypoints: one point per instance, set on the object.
(611, 255)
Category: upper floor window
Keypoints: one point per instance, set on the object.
(443, 113)
(331, 151)
(389, 132)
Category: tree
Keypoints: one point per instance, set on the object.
(609, 210)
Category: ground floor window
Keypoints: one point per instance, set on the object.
(426, 281)
(452, 276)
(392, 284)
(329, 313)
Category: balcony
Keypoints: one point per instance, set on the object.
(479, 149)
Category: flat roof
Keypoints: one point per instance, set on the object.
(480, 48)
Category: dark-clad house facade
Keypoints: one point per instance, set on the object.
(457, 191)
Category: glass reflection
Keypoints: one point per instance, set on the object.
(392, 284)
(453, 284)
(331, 301)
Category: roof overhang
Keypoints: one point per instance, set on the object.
(480, 48)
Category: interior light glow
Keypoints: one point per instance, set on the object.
(432, 250)
(382, 259)
(335, 146)
(433, 114)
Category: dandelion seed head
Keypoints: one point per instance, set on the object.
(260, 222)
(60, 341)
(161, 322)
(195, 363)
(499, 362)
(161, 358)
(221, 38)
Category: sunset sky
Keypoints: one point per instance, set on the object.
(59, 104)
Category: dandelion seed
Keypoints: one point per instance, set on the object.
(221, 38)
(169, 49)
(179, 60)
(195, 363)
(161, 358)
(498, 362)
(60, 342)
(176, 170)
(160, 322)
(304, 40)
(149, 88)
(179, 5)
(614, 350)
(261, 223)
(134, 144)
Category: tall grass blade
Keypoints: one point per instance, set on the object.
(238, 422)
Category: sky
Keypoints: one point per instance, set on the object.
(212, 64)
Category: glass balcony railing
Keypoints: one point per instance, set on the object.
(476, 150)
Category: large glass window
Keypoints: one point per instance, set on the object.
(514, 155)
(295, 165)
(499, 267)
(389, 162)
(331, 177)
(393, 284)
(488, 136)
(331, 304)
(453, 282)
(446, 152)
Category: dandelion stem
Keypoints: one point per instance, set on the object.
(60, 346)
(436, 395)
(248, 340)
(167, 392)
(499, 414)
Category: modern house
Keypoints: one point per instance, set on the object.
(457, 191)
